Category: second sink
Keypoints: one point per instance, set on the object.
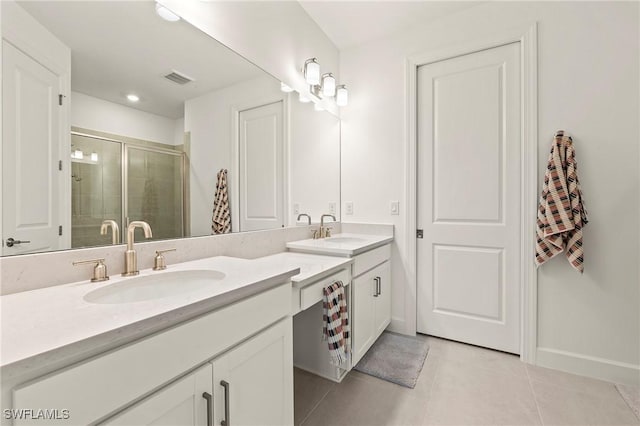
(154, 286)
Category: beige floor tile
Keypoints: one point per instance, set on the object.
(309, 390)
(562, 405)
(361, 401)
(570, 381)
(464, 394)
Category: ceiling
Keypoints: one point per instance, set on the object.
(121, 47)
(351, 23)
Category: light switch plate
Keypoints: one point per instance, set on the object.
(395, 208)
(348, 207)
(296, 208)
(332, 208)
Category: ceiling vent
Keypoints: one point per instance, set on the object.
(177, 77)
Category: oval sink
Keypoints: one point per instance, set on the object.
(343, 240)
(151, 287)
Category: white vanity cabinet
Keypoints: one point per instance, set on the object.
(371, 298)
(160, 379)
(250, 384)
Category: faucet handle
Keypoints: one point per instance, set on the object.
(158, 262)
(328, 231)
(99, 271)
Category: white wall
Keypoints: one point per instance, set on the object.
(210, 120)
(587, 85)
(277, 36)
(93, 113)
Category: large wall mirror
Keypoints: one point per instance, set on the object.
(159, 122)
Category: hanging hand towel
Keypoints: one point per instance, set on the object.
(336, 322)
(221, 221)
(561, 214)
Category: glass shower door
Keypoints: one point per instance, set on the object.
(96, 188)
(155, 191)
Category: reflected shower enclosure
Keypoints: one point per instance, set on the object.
(117, 178)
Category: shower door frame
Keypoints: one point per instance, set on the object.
(124, 175)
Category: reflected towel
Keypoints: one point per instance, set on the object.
(561, 214)
(335, 321)
(221, 220)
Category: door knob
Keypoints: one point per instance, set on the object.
(11, 242)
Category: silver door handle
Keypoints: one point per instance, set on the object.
(376, 280)
(11, 242)
(208, 397)
(227, 415)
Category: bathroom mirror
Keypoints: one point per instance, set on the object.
(156, 113)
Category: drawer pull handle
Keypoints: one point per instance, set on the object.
(377, 281)
(379, 286)
(208, 397)
(227, 414)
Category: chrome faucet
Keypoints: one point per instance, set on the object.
(324, 232)
(308, 218)
(115, 230)
(130, 256)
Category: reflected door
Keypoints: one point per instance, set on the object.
(261, 171)
(154, 191)
(31, 148)
(469, 198)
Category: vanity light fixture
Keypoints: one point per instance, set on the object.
(166, 14)
(94, 157)
(342, 95)
(328, 85)
(311, 71)
(133, 98)
(285, 88)
(77, 154)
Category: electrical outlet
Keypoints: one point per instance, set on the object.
(296, 208)
(332, 208)
(395, 208)
(348, 207)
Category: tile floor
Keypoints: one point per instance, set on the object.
(462, 385)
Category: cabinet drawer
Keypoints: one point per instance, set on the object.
(312, 294)
(365, 261)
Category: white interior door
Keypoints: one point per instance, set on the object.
(261, 168)
(31, 180)
(469, 174)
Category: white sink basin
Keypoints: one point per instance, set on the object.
(149, 287)
(345, 240)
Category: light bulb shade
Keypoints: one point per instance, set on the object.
(328, 85)
(94, 157)
(78, 155)
(342, 95)
(312, 71)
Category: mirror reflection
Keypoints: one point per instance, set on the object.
(155, 121)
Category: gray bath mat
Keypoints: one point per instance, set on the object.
(395, 358)
(631, 395)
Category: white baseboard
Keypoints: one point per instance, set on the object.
(398, 325)
(584, 365)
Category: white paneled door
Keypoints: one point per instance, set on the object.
(469, 174)
(31, 138)
(261, 169)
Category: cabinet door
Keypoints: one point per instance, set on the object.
(383, 300)
(363, 310)
(180, 403)
(253, 383)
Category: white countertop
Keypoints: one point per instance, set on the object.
(340, 244)
(56, 324)
(312, 266)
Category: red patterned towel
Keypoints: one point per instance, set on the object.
(336, 322)
(221, 220)
(561, 214)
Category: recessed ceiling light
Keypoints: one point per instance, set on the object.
(133, 98)
(166, 14)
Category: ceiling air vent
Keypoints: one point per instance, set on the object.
(177, 77)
